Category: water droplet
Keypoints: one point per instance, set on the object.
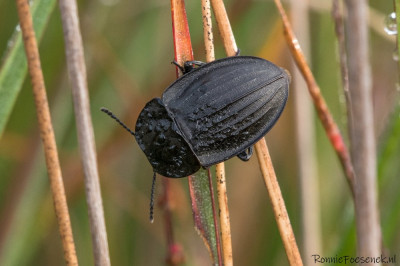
(390, 24)
(10, 43)
(18, 28)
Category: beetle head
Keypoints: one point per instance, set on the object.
(159, 138)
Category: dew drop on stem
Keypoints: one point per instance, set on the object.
(390, 24)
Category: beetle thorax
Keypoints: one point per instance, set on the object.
(159, 138)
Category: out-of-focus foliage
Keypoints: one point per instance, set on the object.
(129, 48)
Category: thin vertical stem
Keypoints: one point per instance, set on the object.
(208, 30)
(340, 35)
(77, 76)
(278, 204)
(46, 132)
(329, 124)
(180, 33)
(339, 29)
(265, 162)
(224, 27)
(183, 52)
(217, 234)
(224, 215)
(220, 168)
(306, 151)
(174, 253)
(363, 146)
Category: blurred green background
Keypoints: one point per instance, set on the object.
(129, 48)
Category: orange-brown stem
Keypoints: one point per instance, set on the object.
(277, 201)
(330, 126)
(46, 132)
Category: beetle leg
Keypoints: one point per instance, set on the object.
(246, 154)
(179, 66)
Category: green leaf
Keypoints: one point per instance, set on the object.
(14, 67)
(202, 211)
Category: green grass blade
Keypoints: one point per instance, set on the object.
(14, 68)
(202, 212)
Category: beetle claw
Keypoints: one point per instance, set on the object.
(237, 52)
(246, 154)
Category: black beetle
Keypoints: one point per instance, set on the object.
(213, 112)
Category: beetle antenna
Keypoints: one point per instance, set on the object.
(153, 185)
(105, 110)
